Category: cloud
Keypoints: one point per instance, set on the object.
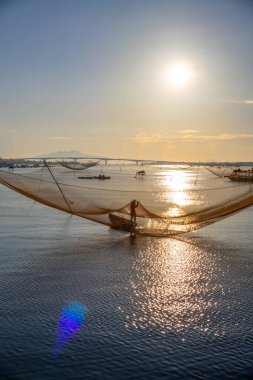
(188, 131)
(221, 137)
(143, 138)
(243, 101)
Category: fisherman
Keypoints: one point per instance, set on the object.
(133, 205)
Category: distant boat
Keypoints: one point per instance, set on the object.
(120, 223)
(140, 173)
(100, 176)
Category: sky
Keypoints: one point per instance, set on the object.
(95, 76)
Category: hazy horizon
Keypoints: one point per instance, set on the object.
(98, 77)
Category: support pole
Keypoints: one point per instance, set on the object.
(58, 186)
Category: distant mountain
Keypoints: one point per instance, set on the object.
(66, 154)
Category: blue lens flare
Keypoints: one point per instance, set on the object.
(71, 319)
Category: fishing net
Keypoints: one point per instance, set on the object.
(220, 171)
(170, 200)
(78, 165)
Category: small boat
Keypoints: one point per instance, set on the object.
(100, 176)
(120, 223)
(140, 173)
(242, 177)
(85, 177)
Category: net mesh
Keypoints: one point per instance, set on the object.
(78, 165)
(171, 201)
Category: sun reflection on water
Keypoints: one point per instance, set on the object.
(173, 288)
(176, 187)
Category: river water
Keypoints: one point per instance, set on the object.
(158, 308)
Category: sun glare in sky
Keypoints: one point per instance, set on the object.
(126, 89)
(179, 75)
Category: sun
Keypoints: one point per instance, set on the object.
(179, 75)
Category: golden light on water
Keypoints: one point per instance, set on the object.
(171, 287)
(178, 189)
(177, 185)
(176, 285)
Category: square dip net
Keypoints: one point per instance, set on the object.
(161, 201)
